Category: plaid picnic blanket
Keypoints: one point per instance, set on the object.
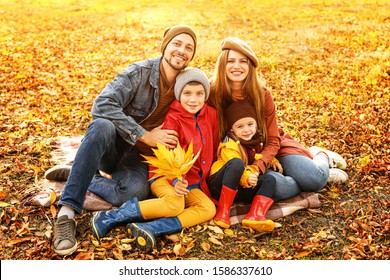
(64, 150)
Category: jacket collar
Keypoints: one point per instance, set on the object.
(155, 72)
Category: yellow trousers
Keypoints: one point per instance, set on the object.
(191, 210)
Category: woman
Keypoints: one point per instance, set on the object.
(234, 79)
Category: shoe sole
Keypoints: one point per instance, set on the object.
(67, 251)
(144, 240)
(336, 178)
(93, 227)
(264, 226)
(58, 173)
(222, 224)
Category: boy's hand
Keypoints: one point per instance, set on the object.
(181, 188)
(253, 178)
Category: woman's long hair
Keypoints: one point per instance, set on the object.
(221, 94)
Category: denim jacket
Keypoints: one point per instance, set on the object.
(130, 98)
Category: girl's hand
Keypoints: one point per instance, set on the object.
(181, 188)
(253, 178)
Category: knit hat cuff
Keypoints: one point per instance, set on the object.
(238, 110)
(191, 74)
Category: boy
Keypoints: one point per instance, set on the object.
(178, 204)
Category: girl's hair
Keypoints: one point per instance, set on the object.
(221, 95)
(243, 153)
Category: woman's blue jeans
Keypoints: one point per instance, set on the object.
(300, 174)
(101, 149)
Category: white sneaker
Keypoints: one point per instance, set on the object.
(337, 176)
(335, 160)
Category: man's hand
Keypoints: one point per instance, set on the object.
(166, 137)
(181, 188)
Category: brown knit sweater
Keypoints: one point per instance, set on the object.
(156, 118)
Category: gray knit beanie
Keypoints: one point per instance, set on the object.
(191, 74)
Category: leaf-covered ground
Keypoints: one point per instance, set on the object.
(327, 63)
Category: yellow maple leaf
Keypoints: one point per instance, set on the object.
(258, 156)
(173, 163)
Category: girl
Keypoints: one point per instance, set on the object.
(235, 175)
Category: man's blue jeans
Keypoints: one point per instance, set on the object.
(300, 174)
(99, 149)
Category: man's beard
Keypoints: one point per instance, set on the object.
(174, 66)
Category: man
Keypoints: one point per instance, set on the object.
(127, 122)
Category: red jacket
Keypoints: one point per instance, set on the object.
(202, 130)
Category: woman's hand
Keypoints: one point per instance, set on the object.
(253, 178)
(276, 166)
(181, 188)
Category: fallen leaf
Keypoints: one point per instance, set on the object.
(173, 237)
(19, 240)
(128, 240)
(84, 256)
(53, 211)
(205, 246)
(216, 229)
(3, 204)
(278, 225)
(3, 195)
(302, 254)
(215, 241)
(179, 250)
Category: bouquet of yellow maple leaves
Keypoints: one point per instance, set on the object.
(171, 163)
